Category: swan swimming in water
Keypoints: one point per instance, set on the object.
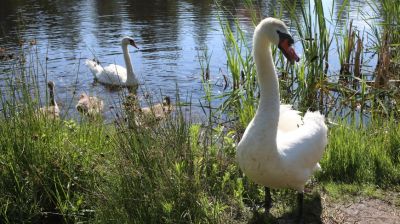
(89, 105)
(156, 111)
(116, 75)
(51, 111)
(146, 117)
(278, 148)
(159, 110)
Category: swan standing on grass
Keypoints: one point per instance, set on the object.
(51, 111)
(278, 149)
(89, 105)
(116, 75)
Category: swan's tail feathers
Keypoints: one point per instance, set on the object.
(94, 66)
(289, 119)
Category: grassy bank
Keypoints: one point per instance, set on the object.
(177, 172)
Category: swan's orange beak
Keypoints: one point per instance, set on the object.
(285, 45)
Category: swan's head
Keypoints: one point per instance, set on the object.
(128, 41)
(167, 101)
(83, 96)
(82, 105)
(51, 85)
(277, 33)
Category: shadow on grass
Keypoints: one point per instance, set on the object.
(312, 213)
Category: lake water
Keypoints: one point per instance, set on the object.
(170, 34)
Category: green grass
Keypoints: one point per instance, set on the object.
(174, 172)
(349, 191)
(368, 154)
(49, 167)
(55, 170)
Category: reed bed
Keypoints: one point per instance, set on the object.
(352, 91)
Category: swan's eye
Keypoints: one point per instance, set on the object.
(283, 36)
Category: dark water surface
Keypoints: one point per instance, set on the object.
(170, 34)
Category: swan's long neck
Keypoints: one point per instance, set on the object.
(52, 98)
(267, 114)
(129, 69)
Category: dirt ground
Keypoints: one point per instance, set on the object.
(322, 208)
(362, 210)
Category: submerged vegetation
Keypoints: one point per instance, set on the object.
(55, 170)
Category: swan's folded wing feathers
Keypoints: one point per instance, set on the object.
(305, 145)
(94, 67)
(289, 119)
(113, 74)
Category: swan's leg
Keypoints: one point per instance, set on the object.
(268, 201)
(300, 202)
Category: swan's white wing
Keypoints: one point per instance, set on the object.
(94, 67)
(113, 75)
(289, 119)
(302, 148)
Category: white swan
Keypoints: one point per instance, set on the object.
(89, 105)
(116, 75)
(51, 111)
(278, 148)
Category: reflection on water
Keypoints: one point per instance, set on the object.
(170, 35)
